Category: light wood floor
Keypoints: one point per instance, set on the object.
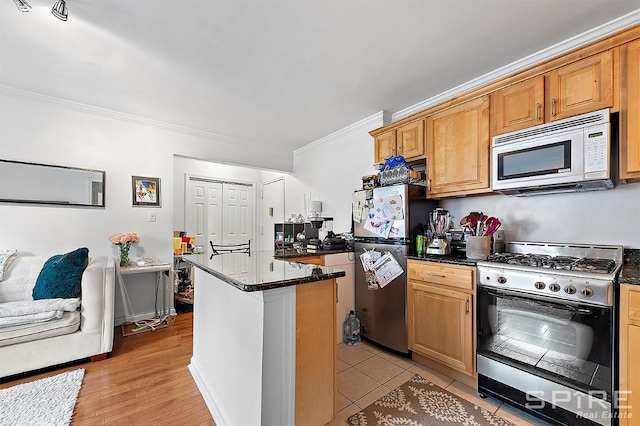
(145, 381)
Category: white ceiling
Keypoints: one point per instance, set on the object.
(275, 72)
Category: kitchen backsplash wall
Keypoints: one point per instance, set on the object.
(600, 217)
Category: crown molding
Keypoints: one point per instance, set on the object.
(121, 116)
(594, 34)
(374, 121)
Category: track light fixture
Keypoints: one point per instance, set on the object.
(23, 6)
(59, 10)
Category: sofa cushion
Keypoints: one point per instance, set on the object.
(61, 275)
(69, 323)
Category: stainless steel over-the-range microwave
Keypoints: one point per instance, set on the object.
(573, 154)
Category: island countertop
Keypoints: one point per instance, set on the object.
(260, 270)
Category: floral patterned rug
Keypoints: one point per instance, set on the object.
(419, 402)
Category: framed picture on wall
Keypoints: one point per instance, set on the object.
(145, 191)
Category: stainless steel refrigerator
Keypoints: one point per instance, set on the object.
(383, 312)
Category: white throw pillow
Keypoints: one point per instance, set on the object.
(6, 259)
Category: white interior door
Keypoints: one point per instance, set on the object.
(221, 212)
(272, 210)
(237, 224)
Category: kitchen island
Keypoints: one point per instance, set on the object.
(264, 342)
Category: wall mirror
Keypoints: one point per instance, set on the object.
(34, 183)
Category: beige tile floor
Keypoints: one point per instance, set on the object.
(365, 373)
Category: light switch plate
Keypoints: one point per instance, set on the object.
(151, 216)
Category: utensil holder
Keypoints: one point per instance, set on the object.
(478, 247)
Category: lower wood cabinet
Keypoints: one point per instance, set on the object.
(629, 350)
(441, 317)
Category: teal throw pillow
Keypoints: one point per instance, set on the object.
(61, 275)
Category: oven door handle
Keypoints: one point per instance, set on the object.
(555, 305)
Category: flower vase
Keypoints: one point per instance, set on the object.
(124, 255)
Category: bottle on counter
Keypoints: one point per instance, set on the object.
(351, 329)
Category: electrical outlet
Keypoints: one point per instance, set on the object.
(152, 216)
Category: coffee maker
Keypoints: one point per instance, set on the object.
(439, 221)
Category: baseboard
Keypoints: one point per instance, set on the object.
(216, 412)
(471, 381)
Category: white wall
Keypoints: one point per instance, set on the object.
(331, 169)
(39, 129)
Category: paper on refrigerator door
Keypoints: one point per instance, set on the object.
(386, 269)
(368, 259)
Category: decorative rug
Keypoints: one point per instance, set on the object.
(418, 402)
(49, 401)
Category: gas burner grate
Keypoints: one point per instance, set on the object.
(568, 263)
(604, 266)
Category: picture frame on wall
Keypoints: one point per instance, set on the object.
(145, 191)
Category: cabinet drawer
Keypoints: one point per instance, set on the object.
(440, 273)
(634, 305)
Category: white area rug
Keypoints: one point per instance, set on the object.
(48, 401)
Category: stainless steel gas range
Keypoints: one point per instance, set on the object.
(546, 330)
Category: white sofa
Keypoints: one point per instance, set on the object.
(30, 347)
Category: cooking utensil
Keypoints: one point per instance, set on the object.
(492, 225)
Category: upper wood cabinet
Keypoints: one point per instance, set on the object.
(518, 106)
(582, 86)
(458, 143)
(407, 140)
(384, 146)
(630, 114)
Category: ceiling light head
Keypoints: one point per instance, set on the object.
(59, 10)
(22, 5)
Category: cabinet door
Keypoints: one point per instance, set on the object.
(316, 353)
(630, 141)
(458, 149)
(518, 106)
(440, 325)
(384, 146)
(629, 348)
(410, 140)
(583, 86)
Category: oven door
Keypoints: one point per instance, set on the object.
(549, 350)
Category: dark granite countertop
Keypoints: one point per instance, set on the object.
(287, 253)
(454, 258)
(630, 273)
(260, 270)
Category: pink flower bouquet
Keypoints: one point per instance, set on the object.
(124, 241)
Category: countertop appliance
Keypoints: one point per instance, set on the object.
(573, 154)
(383, 312)
(440, 222)
(546, 329)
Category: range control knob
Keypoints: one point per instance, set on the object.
(570, 289)
(554, 287)
(587, 292)
(502, 280)
(539, 285)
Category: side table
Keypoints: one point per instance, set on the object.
(162, 270)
